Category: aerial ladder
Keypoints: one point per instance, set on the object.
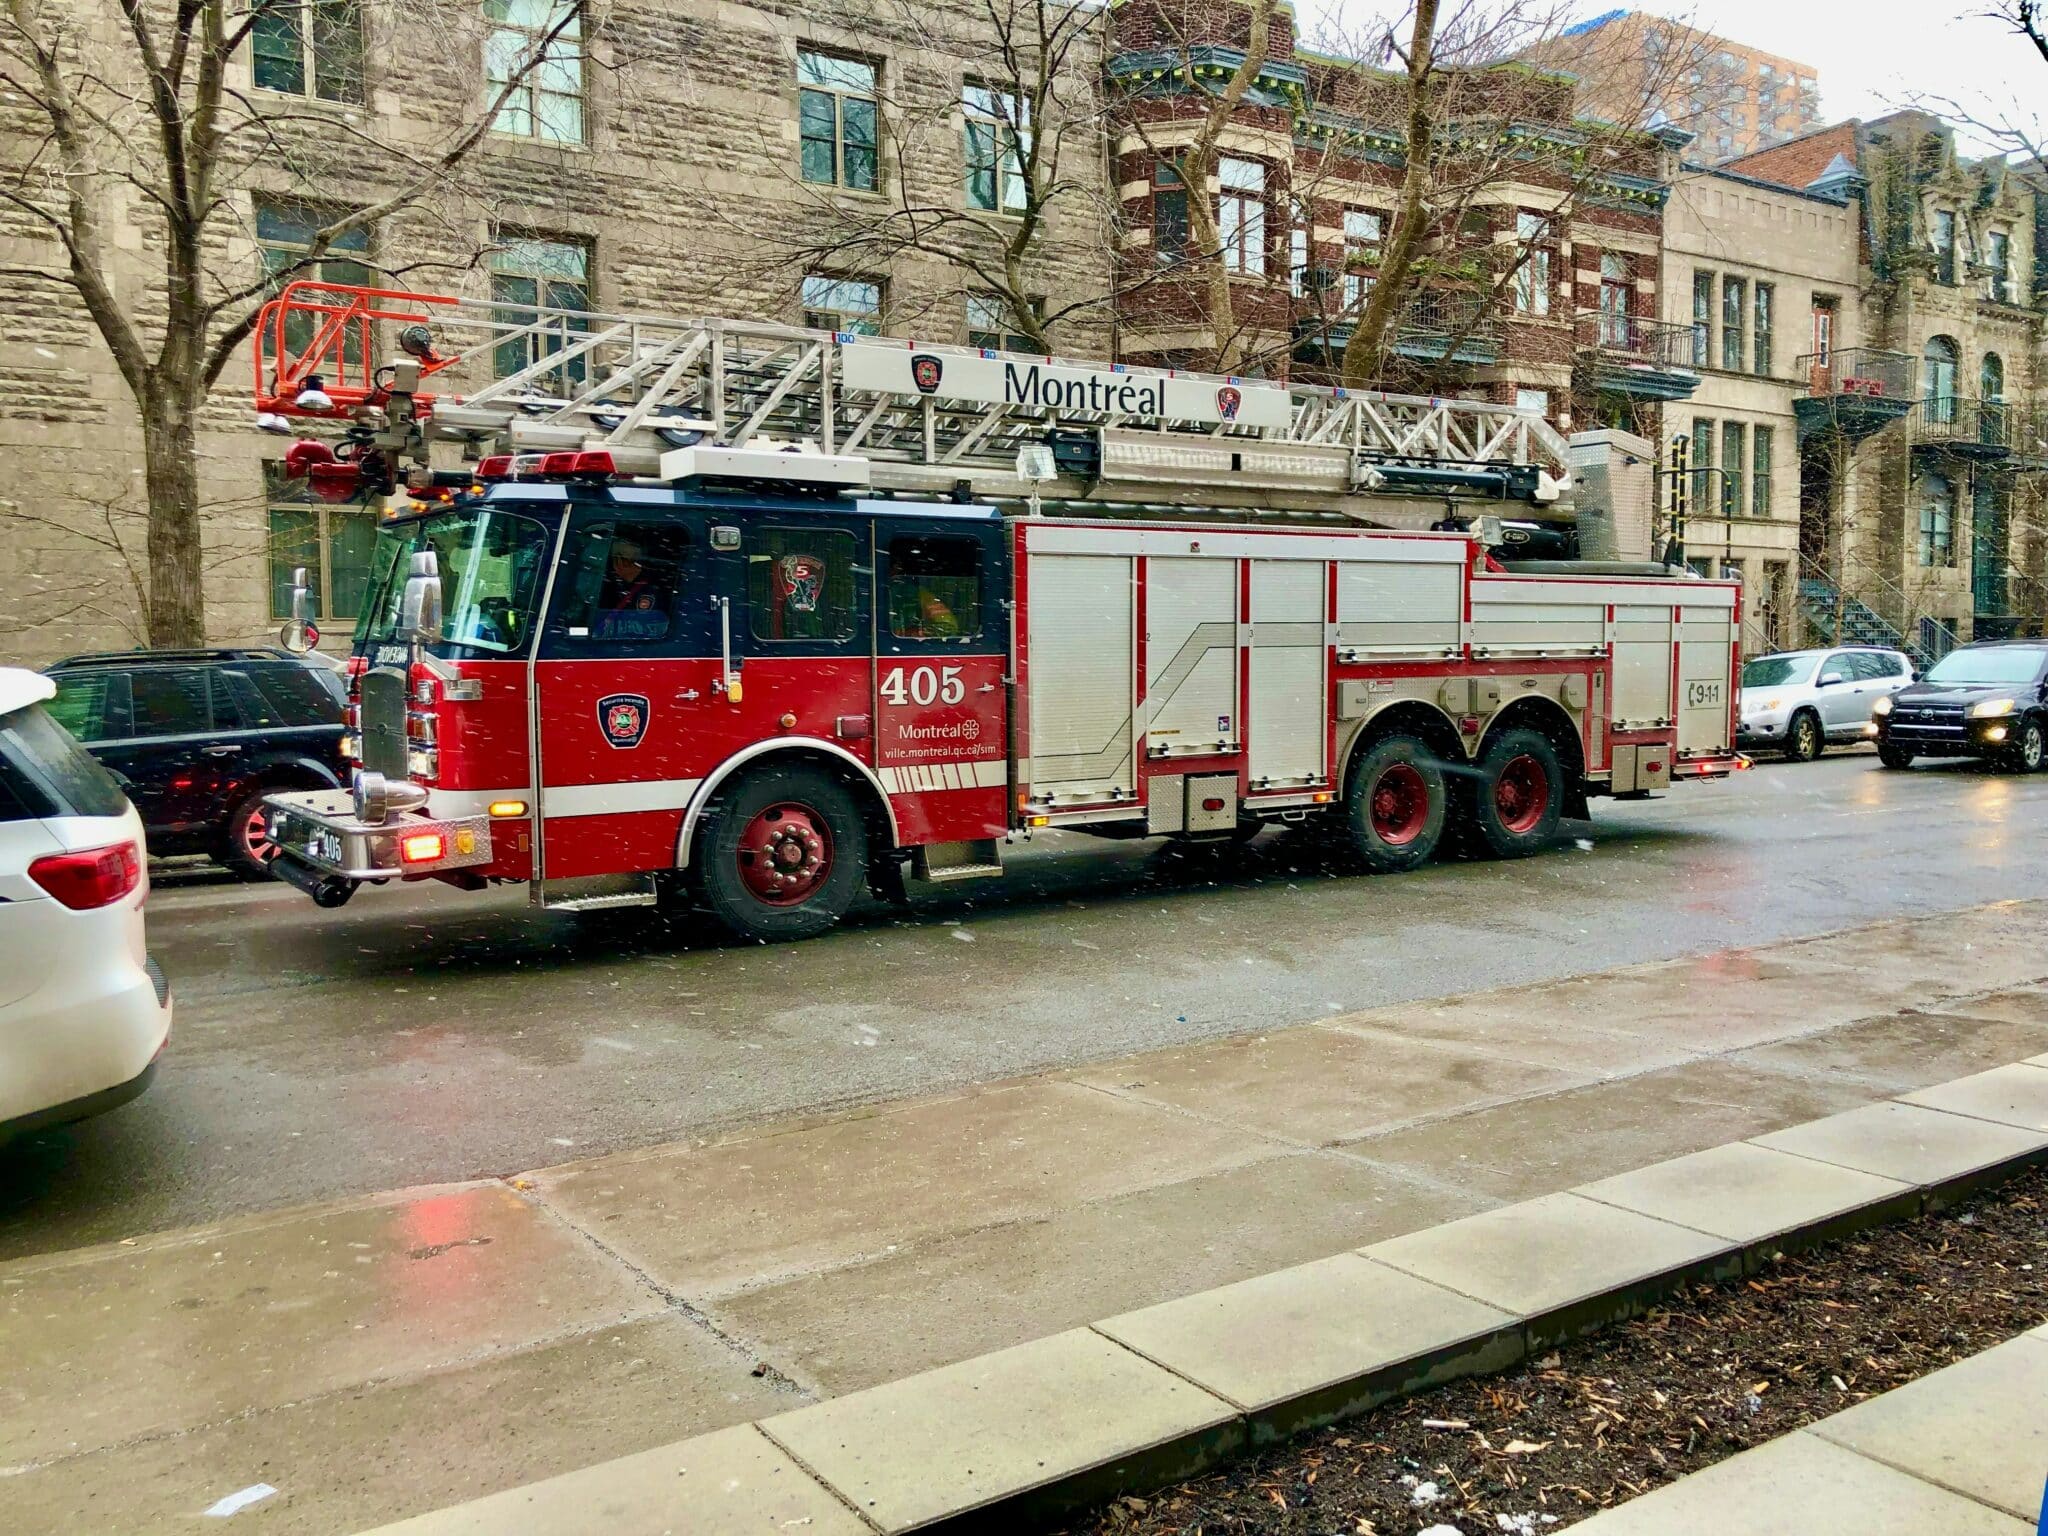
(474, 380)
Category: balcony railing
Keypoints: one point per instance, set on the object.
(1868, 372)
(1635, 340)
(1960, 424)
(1433, 325)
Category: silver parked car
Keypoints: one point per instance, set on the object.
(1799, 701)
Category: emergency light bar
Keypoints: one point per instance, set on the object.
(702, 463)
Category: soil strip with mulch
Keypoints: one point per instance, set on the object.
(1715, 1371)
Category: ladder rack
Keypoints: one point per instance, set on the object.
(493, 378)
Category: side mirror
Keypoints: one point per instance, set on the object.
(1829, 679)
(298, 635)
(419, 612)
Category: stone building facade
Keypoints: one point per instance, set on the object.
(740, 159)
(1306, 189)
(1930, 531)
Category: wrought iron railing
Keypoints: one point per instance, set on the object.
(1635, 339)
(1868, 371)
(1963, 422)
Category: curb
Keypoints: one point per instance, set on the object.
(1135, 1402)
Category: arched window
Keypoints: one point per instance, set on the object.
(1938, 379)
(1937, 520)
(1991, 377)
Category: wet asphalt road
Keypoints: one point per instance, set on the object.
(422, 1034)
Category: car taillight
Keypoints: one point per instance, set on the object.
(91, 877)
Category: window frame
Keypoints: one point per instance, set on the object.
(302, 21)
(994, 336)
(1734, 466)
(1241, 216)
(281, 495)
(1734, 314)
(1763, 443)
(1358, 285)
(1004, 162)
(1998, 282)
(1936, 545)
(1535, 244)
(839, 93)
(855, 637)
(530, 96)
(1705, 281)
(894, 642)
(1170, 190)
(517, 260)
(841, 280)
(1941, 235)
(1763, 318)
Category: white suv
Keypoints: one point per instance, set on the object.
(83, 1010)
(1799, 701)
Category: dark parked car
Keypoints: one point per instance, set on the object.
(1988, 701)
(202, 736)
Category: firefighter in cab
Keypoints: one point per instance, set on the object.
(634, 602)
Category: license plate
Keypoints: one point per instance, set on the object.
(324, 845)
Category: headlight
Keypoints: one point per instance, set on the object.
(1991, 709)
(1883, 706)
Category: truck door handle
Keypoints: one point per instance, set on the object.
(226, 750)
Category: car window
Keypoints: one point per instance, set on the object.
(169, 701)
(1777, 671)
(274, 697)
(43, 761)
(623, 583)
(1837, 665)
(801, 584)
(1874, 665)
(935, 588)
(93, 706)
(1987, 664)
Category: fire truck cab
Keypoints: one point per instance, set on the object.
(760, 675)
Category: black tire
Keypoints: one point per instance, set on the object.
(1893, 757)
(245, 840)
(1520, 795)
(1804, 738)
(1395, 807)
(2029, 747)
(812, 836)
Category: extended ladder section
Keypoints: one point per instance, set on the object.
(682, 398)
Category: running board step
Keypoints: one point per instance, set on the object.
(598, 893)
(601, 903)
(975, 859)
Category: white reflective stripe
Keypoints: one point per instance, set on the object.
(448, 804)
(618, 799)
(969, 773)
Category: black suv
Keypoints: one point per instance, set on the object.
(202, 736)
(1988, 701)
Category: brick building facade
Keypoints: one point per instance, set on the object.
(661, 164)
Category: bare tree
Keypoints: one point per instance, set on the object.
(139, 106)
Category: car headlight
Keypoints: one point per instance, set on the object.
(1991, 709)
(1883, 706)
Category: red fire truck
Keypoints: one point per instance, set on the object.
(747, 617)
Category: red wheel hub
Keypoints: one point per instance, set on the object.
(1400, 804)
(785, 854)
(1521, 794)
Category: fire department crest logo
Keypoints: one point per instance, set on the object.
(1228, 399)
(623, 718)
(925, 371)
(803, 579)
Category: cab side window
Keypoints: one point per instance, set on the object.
(1873, 667)
(622, 583)
(802, 584)
(934, 589)
(93, 706)
(170, 701)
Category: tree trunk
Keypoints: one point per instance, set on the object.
(170, 447)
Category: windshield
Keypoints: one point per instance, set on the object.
(1997, 665)
(45, 769)
(1777, 671)
(491, 563)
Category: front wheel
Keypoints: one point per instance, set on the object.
(2029, 748)
(1395, 806)
(1520, 795)
(1805, 741)
(1894, 757)
(782, 854)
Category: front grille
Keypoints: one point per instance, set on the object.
(382, 692)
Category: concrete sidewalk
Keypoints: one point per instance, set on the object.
(1963, 1452)
(377, 1358)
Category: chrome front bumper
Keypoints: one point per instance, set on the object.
(320, 830)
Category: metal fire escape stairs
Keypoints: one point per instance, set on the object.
(673, 399)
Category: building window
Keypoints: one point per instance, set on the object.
(1945, 245)
(835, 108)
(1762, 441)
(284, 232)
(1702, 319)
(1702, 464)
(538, 44)
(1732, 466)
(1169, 214)
(852, 304)
(1241, 216)
(1937, 521)
(313, 48)
(332, 543)
(1532, 278)
(1938, 376)
(987, 316)
(532, 275)
(1734, 292)
(1998, 257)
(998, 139)
(1764, 312)
(1537, 400)
(1363, 231)
(1617, 300)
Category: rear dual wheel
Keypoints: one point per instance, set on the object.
(1396, 805)
(1520, 795)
